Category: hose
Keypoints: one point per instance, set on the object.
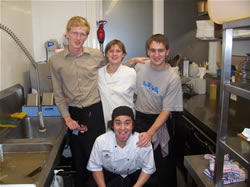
(29, 56)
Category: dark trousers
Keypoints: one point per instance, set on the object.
(81, 144)
(165, 166)
(115, 180)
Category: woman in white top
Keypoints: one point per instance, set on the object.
(116, 82)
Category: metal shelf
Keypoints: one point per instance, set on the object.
(233, 146)
(242, 90)
(195, 165)
(230, 145)
(238, 24)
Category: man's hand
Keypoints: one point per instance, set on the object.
(144, 139)
(72, 124)
(67, 99)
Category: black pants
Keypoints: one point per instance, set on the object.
(115, 180)
(165, 166)
(81, 144)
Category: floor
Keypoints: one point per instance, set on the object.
(181, 181)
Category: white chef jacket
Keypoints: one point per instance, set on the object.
(117, 89)
(124, 161)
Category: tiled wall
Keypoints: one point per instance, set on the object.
(35, 22)
(14, 66)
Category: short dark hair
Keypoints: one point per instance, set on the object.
(115, 42)
(160, 38)
(119, 111)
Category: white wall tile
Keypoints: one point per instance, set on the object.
(16, 15)
(50, 19)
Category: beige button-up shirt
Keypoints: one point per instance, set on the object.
(75, 77)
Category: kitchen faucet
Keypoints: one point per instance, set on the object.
(42, 127)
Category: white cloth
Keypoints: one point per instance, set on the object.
(117, 89)
(124, 161)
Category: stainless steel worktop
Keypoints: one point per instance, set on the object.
(205, 113)
(28, 156)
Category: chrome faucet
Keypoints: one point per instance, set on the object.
(42, 127)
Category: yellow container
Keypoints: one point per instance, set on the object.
(213, 91)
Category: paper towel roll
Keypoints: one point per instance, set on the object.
(221, 11)
(200, 86)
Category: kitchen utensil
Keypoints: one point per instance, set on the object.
(193, 70)
(202, 72)
(200, 86)
(34, 172)
(185, 67)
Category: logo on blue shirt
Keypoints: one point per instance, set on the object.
(149, 86)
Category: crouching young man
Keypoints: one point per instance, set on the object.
(116, 160)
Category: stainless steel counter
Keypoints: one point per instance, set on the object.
(26, 143)
(205, 114)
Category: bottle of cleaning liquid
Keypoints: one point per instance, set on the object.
(57, 180)
(212, 91)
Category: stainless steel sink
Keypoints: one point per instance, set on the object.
(24, 147)
(27, 156)
(28, 128)
(22, 163)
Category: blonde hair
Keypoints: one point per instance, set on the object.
(77, 21)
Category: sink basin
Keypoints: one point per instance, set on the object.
(28, 128)
(22, 163)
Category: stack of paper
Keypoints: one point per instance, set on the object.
(232, 172)
(246, 133)
(205, 29)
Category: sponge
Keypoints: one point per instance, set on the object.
(18, 115)
(7, 123)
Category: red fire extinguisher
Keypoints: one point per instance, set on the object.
(101, 33)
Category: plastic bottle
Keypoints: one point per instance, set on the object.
(57, 180)
(185, 67)
(193, 70)
(212, 91)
